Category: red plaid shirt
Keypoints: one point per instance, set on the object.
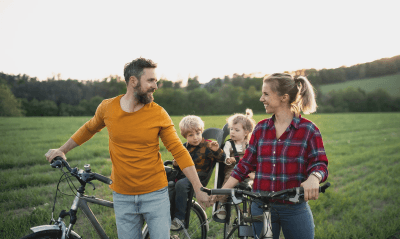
(285, 162)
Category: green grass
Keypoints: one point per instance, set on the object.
(363, 152)
(389, 83)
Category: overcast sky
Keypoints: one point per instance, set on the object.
(94, 39)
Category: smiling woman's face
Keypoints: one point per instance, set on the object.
(271, 100)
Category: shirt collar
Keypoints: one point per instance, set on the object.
(295, 121)
(201, 144)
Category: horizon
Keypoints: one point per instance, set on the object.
(93, 40)
(251, 75)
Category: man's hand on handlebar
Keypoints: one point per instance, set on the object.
(52, 153)
(203, 199)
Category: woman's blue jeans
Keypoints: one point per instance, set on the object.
(295, 220)
(131, 210)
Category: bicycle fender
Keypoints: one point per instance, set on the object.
(51, 227)
(204, 214)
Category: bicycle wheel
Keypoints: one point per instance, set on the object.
(48, 234)
(232, 216)
(197, 226)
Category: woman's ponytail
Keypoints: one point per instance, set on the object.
(305, 99)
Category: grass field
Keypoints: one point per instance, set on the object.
(363, 152)
(389, 83)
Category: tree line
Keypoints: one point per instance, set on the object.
(21, 95)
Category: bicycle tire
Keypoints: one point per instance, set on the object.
(231, 216)
(47, 234)
(197, 226)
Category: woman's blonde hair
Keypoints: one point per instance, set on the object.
(247, 121)
(190, 123)
(300, 91)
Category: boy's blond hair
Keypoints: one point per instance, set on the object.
(247, 121)
(190, 123)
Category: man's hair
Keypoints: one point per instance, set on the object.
(190, 123)
(135, 68)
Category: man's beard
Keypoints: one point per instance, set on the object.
(143, 96)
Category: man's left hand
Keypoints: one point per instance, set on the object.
(203, 199)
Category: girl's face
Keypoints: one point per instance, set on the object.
(194, 137)
(271, 100)
(238, 134)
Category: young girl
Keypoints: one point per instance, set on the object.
(241, 126)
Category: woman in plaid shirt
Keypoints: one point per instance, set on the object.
(286, 151)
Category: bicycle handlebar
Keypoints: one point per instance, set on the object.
(81, 175)
(296, 192)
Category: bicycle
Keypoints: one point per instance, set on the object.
(59, 230)
(196, 223)
(234, 211)
(242, 223)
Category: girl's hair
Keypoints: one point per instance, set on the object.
(247, 121)
(190, 123)
(300, 91)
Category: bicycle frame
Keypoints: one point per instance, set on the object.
(80, 201)
(245, 231)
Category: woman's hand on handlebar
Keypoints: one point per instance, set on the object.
(52, 153)
(311, 188)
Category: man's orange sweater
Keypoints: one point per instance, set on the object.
(137, 167)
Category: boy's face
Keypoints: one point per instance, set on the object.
(194, 137)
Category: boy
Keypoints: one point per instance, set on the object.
(203, 153)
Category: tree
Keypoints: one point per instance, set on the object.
(178, 84)
(251, 100)
(165, 84)
(9, 105)
(193, 83)
(379, 101)
(40, 108)
(172, 100)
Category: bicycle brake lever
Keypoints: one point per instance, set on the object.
(234, 199)
(296, 198)
(94, 188)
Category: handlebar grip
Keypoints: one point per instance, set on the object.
(324, 187)
(206, 190)
(218, 191)
(58, 161)
(102, 178)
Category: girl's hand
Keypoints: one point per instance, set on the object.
(311, 188)
(174, 162)
(214, 146)
(231, 160)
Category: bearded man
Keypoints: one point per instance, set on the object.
(135, 123)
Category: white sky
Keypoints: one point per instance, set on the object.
(94, 39)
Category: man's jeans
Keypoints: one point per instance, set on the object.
(296, 220)
(182, 189)
(154, 208)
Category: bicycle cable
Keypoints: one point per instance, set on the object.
(55, 198)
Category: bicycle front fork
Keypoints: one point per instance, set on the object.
(72, 217)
